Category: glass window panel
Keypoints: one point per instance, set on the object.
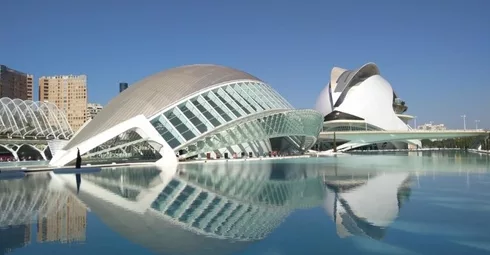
(254, 96)
(206, 114)
(260, 97)
(180, 126)
(238, 99)
(217, 108)
(193, 119)
(243, 91)
(165, 133)
(228, 101)
(275, 97)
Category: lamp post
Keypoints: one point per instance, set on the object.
(464, 121)
(414, 122)
(476, 124)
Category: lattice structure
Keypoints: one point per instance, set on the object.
(25, 118)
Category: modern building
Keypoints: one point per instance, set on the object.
(195, 111)
(122, 86)
(431, 126)
(92, 110)
(68, 93)
(15, 84)
(362, 100)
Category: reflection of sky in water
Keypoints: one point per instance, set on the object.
(423, 203)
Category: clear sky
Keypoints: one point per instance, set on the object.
(435, 53)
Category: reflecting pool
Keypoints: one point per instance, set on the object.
(406, 203)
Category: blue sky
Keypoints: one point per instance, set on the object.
(436, 54)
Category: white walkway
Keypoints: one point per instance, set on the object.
(360, 138)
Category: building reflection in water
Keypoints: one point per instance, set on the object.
(66, 225)
(36, 201)
(365, 205)
(201, 209)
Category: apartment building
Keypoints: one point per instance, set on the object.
(69, 93)
(15, 84)
(93, 109)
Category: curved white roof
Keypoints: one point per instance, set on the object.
(153, 94)
(28, 118)
(340, 79)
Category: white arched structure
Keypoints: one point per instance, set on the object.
(191, 111)
(25, 118)
(361, 100)
(15, 148)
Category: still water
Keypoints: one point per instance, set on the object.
(418, 203)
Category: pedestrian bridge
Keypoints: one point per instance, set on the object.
(365, 137)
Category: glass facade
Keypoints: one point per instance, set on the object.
(122, 86)
(232, 114)
(241, 118)
(126, 147)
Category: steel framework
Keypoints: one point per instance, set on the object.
(26, 118)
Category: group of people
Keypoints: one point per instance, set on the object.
(10, 158)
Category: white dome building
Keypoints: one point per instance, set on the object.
(194, 111)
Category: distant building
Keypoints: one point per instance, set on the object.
(122, 86)
(15, 84)
(92, 110)
(430, 126)
(67, 92)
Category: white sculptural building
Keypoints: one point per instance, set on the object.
(194, 111)
(358, 100)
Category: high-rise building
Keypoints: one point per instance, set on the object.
(92, 110)
(69, 93)
(122, 86)
(15, 84)
(30, 85)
